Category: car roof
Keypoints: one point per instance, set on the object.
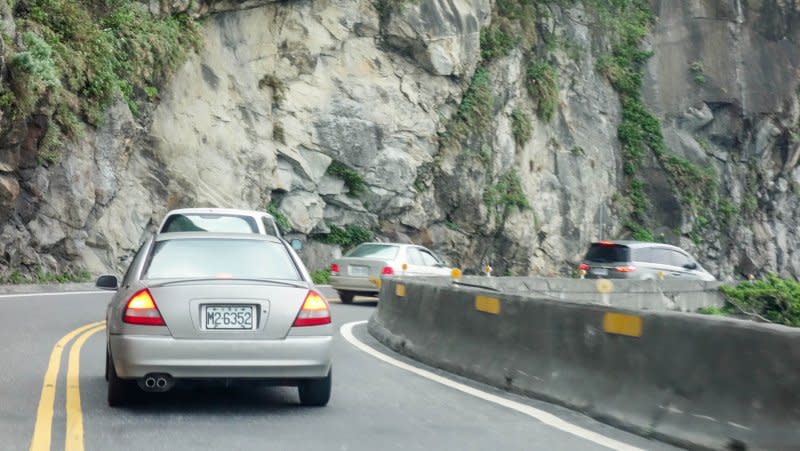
(215, 235)
(220, 211)
(639, 244)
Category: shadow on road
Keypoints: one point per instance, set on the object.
(365, 302)
(214, 398)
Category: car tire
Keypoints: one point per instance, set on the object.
(315, 392)
(346, 297)
(119, 390)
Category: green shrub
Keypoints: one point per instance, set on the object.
(506, 194)
(321, 277)
(521, 127)
(37, 61)
(474, 114)
(543, 88)
(352, 179)
(280, 217)
(522, 13)
(347, 237)
(774, 299)
(496, 42)
(89, 56)
(15, 278)
(698, 72)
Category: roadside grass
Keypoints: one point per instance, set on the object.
(38, 276)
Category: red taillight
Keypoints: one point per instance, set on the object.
(314, 312)
(583, 267)
(142, 309)
(625, 268)
(387, 271)
(606, 243)
(334, 269)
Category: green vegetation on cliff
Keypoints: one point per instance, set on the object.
(280, 217)
(352, 179)
(474, 114)
(628, 22)
(543, 88)
(74, 58)
(506, 194)
(347, 237)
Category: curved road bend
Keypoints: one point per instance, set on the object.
(375, 404)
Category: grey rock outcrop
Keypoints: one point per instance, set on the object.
(281, 90)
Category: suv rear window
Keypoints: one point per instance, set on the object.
(210, 223)
(607, 253)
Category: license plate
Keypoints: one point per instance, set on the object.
(600, 271)
(229, 317)
(359, 270)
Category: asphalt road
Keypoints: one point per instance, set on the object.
(375, 405)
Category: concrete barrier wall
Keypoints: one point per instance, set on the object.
(657, 295)
(693, 380)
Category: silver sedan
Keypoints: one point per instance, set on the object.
(359, 272)
(216, 306)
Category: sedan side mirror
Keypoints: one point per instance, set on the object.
(107, 282)
(690, 265)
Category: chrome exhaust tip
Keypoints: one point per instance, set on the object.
(156, 382)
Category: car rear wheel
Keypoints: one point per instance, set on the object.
(346, 297)
(315, 392)
(119, 390)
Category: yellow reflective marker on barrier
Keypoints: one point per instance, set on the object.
(400, 290)
(604, 286)
(621, 324)
(487, 304)
(376, 281)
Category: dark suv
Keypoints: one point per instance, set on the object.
(640, 260)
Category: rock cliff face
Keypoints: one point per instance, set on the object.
(282, 90)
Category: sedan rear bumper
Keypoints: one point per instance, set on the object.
(291, 358)
(359, 284)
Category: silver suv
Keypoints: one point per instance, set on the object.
(640, 260)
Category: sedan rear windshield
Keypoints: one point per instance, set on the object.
(608, 253)
(209, 223)
(220, 258)
(388, 252)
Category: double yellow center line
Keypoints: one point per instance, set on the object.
(42, 431)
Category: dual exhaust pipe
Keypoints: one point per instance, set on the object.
(156, 382)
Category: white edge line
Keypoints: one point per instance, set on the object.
(546, 418)
(59, 293)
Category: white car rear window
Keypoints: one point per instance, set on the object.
(372, 250)
(220, 258)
